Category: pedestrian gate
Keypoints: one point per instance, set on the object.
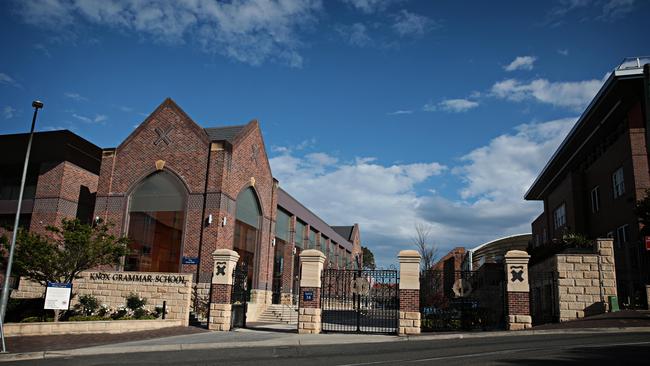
(239, 295)
(363, 301)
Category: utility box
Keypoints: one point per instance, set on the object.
(613, 304)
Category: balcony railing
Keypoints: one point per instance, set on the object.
(633, 63)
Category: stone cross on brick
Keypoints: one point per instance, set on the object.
(221, 268)
(517, 275)
(163, 136)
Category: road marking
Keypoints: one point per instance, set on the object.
(494, 353)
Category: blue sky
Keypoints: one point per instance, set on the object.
(380, 112)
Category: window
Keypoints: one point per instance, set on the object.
(248, 216)
(156, 218)
(300, 234)
(618, 183)
(595, 199)
(622, 235)
(282, 224)
(559, 216)
(312, 239)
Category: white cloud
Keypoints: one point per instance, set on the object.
(570, 94)
(387, 200)
(521, 63)
(8, 112)
(369, 6)
(563, 52)
(457, 105)
(99, 118)
(410, 24)
(451, 106)
(8, 80)
(495, 177)
(616, 9)
(75, 96)
(381, 198)
(251, 31)
(400, 111)
(355, 34)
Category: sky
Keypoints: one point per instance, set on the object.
(385, 113)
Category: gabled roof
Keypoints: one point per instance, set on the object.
(226, 133)
(344, 231)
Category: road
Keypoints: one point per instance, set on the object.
(566, 349)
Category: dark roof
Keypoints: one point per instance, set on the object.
(344, 231)
(601, 115)
(51, 146)
(227, 133)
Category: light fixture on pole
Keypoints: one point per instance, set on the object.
(5, 288)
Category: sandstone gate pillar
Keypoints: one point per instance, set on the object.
(517, 290)
(309, 310)
(409, 292)
(225, 261)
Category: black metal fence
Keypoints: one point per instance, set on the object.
(543, 297)
(239, 296)
(364, 301)
(462, 300)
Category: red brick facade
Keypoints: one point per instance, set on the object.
(409, 300)
(518, 303)
(220, 293)
(213, 174)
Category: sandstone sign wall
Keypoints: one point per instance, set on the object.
(112, 288)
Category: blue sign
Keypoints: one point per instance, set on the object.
(308, 296)
(60, 284)
(190, 260)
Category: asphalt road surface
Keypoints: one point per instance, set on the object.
(568, 349)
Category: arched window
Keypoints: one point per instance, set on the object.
(247, 226)
(156, 218)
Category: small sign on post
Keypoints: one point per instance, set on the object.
(647, 243)
(57, 296)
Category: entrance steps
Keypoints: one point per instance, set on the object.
(277, 313)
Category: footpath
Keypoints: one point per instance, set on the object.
(266, 335)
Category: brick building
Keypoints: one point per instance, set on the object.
(61, 179)
(600, 170)
(180, 192)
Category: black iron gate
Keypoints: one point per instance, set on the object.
(240, 295)
(462, 300)
(364, 301)
(543, 297)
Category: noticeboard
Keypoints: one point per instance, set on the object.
(57, 296)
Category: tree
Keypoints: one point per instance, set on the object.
(425, 246)
(368, 258)
(70, 249)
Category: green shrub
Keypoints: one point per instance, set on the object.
(135, 302)
(35, 319)
(88, 305)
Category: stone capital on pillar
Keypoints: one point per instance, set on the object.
(409, 270)
(311, 262)
(225, 261)
(516, 267)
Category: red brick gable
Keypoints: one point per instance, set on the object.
(168, 134)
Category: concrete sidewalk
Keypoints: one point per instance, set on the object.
(246, 338)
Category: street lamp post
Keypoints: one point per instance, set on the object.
(5, 288)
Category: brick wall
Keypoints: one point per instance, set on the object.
(409, 300)
(220, 293)
(518, 303)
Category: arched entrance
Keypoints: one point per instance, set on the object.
(248, 219)
(156, 220)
